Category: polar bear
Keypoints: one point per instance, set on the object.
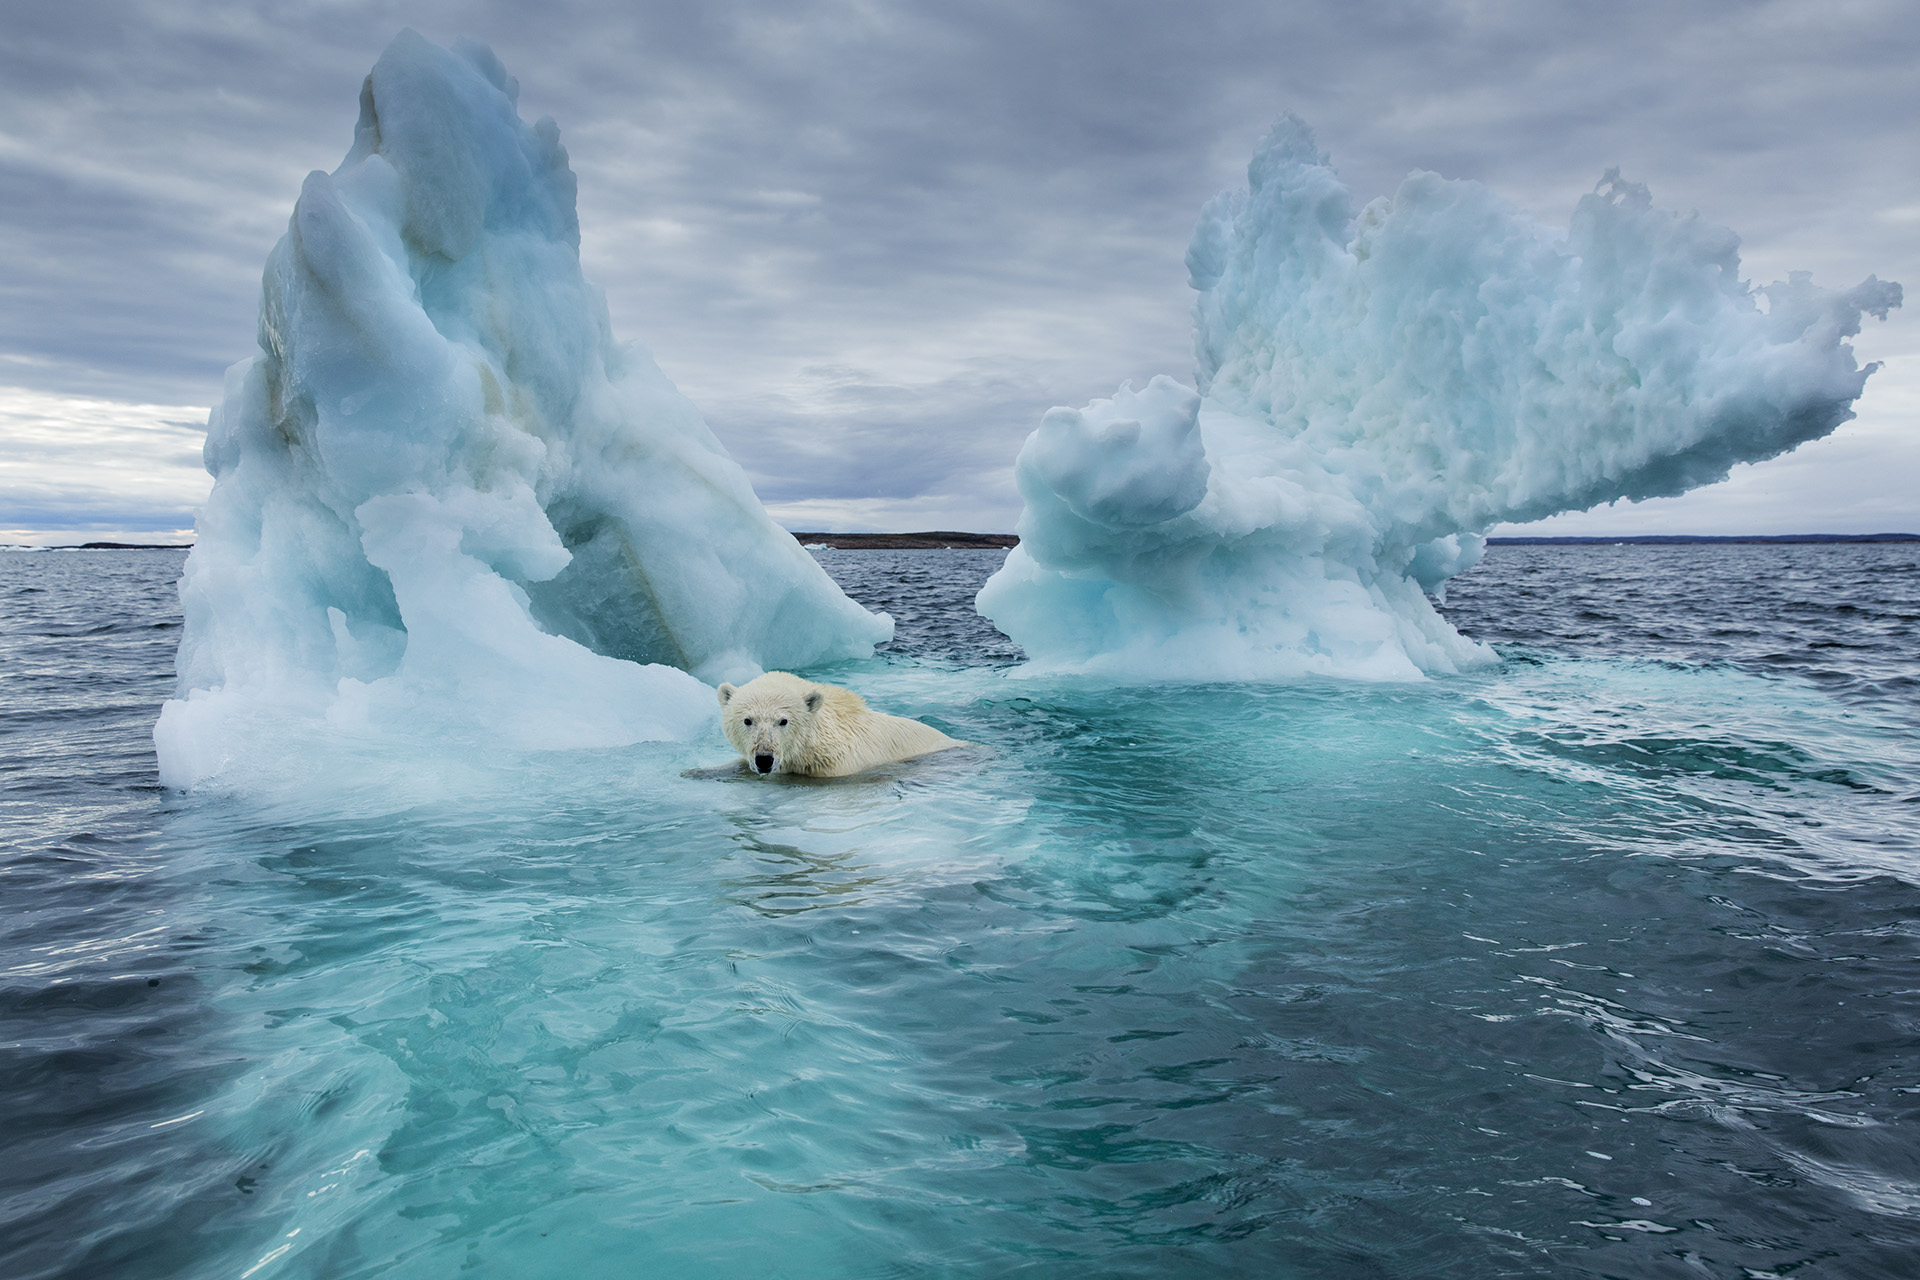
(780, 723)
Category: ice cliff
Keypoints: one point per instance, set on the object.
(447, 504)
(1379, 387)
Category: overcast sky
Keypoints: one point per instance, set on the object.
(876, 241)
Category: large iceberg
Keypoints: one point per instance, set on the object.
(447, 504)
(1376, 390)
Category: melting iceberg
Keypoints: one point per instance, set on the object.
(1376, 390)
(446, 503)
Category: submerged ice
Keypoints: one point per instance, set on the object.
(446, 501)
(1377, 388)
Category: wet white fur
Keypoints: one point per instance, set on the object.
(828, 732)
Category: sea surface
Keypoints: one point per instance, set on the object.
(1605, 962)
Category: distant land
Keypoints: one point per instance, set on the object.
(938, 540)
(952, 540)
(110, 546)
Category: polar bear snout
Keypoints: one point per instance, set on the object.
(763, 763)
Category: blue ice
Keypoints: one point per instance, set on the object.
(1379, 387)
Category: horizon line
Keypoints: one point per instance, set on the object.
(937, 537)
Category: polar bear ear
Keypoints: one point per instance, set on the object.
(726, 693)
(814, 700)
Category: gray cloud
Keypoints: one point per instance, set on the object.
(81, 469)
(876, 241)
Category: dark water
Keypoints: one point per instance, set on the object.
(1605, 963)
(1846, 619)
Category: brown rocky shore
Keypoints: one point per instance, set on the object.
(937, 540)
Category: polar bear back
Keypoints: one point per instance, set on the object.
(849, 736)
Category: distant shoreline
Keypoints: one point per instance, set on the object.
(938, 540)
(103, 546)
(951, 540)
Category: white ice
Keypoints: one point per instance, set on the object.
(447, 505)
(1378, 389)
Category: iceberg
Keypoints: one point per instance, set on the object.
(1376, 389)
(446, 504)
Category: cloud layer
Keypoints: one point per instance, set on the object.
(875, 242)
(86, 470)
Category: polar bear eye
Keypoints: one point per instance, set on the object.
(783, 722)
(748, 722)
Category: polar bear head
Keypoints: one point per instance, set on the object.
(769, 721)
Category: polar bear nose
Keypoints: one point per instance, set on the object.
(764, 763)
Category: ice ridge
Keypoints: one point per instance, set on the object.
(1377, 388)
(446, 503)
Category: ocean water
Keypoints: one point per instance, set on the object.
(1602, 963)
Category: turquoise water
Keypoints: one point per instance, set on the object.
(1606, 962)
